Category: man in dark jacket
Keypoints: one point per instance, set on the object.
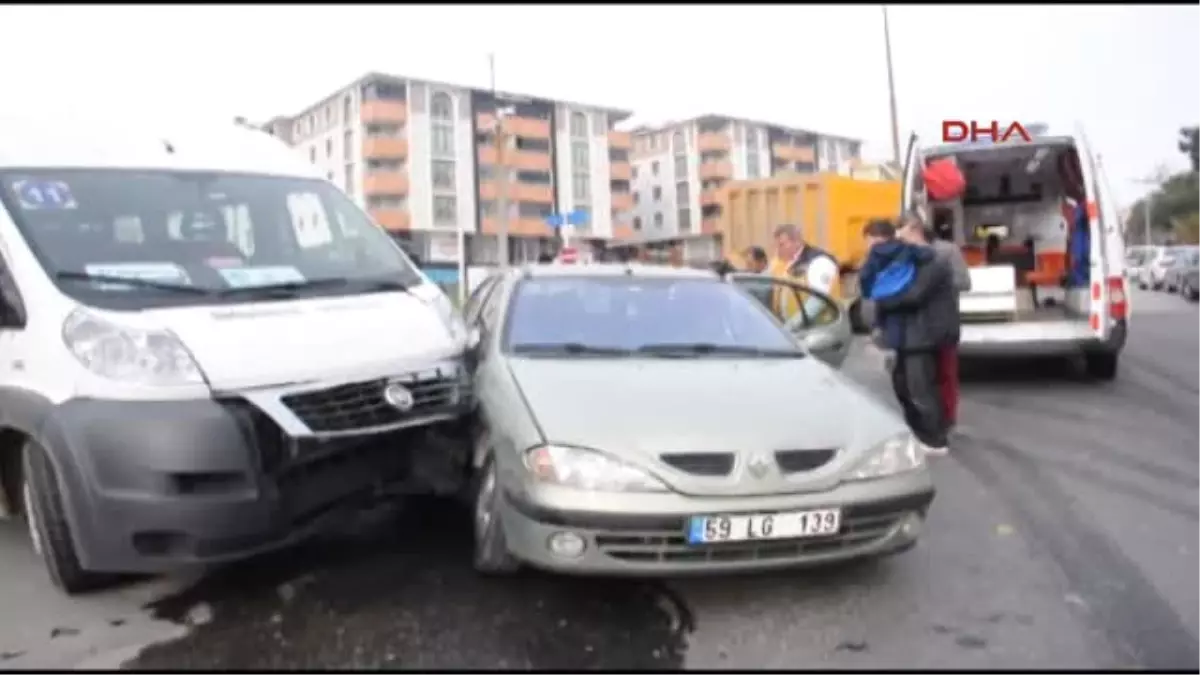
(925, 317)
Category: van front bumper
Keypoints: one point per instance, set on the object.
(155, 486)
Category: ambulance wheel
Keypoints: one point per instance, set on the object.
(1101, 365)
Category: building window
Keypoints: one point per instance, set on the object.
(581, 188)
(349, 179)
(634, 170)
(312, 155)
(685, 220)
(445, 210)
(533, 210)
(347, 109)
(637, 222)
(441, 107)
(579, 156)
(657, 194)
(578, 125)
(681, 194)
(347, 142)
(752, 168)
(329, 147)
(681, 167)
(442, 141)
(678, 143)
(637, 197)
(658, 221)
(443, 175)
(654, 168)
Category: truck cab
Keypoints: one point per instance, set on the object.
(1040, 234)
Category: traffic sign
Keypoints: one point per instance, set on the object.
(555, 220)
(568, 255)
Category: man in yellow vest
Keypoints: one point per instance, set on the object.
(809, 265)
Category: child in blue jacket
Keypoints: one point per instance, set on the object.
(889, 269)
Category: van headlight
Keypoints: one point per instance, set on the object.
(588, 470)
(126, 354)
(897, 454)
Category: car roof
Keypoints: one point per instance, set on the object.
(558, 270)
(45, 142)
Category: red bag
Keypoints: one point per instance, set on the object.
(943, 180)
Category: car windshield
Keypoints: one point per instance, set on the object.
(626, 315)
(193, 237)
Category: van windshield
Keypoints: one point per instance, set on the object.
(198, 237)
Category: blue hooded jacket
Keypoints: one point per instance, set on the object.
(889, 270)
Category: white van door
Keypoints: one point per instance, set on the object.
(1100, 279)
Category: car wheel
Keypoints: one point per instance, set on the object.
(49, 532)
(1101, 365)
(491, 548)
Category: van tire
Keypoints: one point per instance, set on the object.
(45, 515)
(491, 554)
(1101, 365)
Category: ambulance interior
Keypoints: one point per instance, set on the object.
(1014, 225)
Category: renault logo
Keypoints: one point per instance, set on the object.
(758, 466)
(398, 396)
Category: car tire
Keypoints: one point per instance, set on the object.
(50, 533)
(491, 554)
(1101, 365)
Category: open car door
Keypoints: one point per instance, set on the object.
(821, 322)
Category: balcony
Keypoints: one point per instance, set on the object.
(391, 219)
(384, 147)
(517, 192)
(716, 170)
(709, 198)
(622, 232)
(515, 126)
(528, 227)
(710, 225)
(620, 171)
(620, 139)
(710, 141)
(385, 183)
(622, 201)
(525, 160)
(373, 112)
(794, 153)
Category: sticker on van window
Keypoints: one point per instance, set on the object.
(243, 277)
(43, 195)
(169, 273)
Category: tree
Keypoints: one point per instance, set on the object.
(1189, 144)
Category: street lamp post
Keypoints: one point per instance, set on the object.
(501, 140)
(1147, 209)
(887, 45)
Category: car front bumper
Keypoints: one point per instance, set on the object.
(878, 517)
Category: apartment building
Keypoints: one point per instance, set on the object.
(678, 167)
(422, 157)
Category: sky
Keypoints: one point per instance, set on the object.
(1130, 74)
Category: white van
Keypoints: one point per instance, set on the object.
(208, 350)
(1029, 295)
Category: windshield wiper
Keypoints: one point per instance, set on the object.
(290, 288)
(696, 349)
(572, 348)
(134, 281)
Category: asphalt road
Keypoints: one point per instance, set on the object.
(1064, 535)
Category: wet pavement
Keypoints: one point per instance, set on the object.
(1064, 535)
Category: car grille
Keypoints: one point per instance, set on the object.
(361, 405)
(860, 528)
(700, 463)
(795, 461)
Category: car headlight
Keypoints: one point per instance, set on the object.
(897, 454)
(134, 355)
(588, 470)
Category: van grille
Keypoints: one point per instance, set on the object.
(361, 405)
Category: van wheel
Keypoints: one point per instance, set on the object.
(1101, 365)
(492, 557)
(49, 532)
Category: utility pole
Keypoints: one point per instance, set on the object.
(1147, 207)
(887, 45)
(501, 140)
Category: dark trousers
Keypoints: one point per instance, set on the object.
(948, 382)
(915, 380)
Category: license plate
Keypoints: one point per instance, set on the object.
(752, 527)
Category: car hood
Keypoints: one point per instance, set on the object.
(639, 408)
(272, 343)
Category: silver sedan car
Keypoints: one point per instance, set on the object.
(646, 420)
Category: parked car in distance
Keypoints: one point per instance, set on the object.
(1154, 268)
(1189, 276)
(1135, 258)
(1173, 275)
(644, 420)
